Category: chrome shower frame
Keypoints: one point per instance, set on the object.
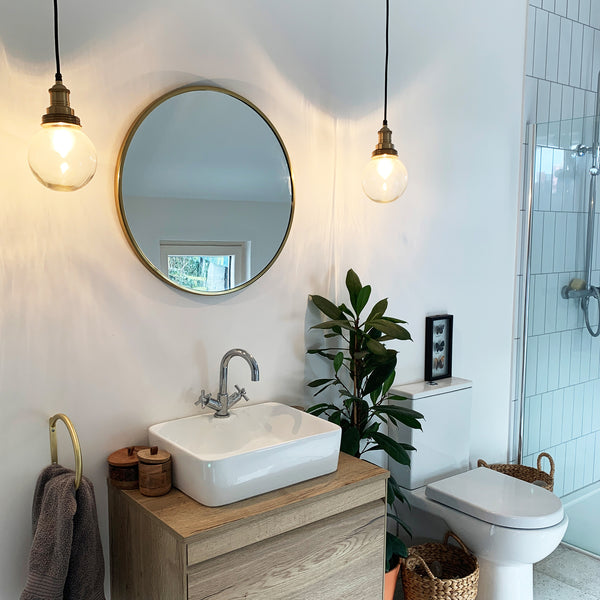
(528, 195)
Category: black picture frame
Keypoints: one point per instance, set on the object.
(438, 347)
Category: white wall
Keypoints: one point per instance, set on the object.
(87, 330)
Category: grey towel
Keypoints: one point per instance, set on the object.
(66, 561)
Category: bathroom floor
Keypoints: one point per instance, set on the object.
(565, 575)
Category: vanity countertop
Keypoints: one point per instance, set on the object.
(187, 518)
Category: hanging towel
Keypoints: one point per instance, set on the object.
(65, 561)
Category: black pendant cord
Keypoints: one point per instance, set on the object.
(387, 51)
(58, 74)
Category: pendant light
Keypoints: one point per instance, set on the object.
(385, 177)
(60, 155)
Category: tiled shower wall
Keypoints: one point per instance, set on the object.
(562, 378)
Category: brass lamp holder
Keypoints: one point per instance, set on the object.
(385, 145)
(60, 110)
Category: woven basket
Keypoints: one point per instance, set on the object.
(457, 568)
(528, 474)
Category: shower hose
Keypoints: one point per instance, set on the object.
(594, 292)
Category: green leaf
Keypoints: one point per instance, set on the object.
(331, 335)
(319, 382)
(327, 307)
(398, 412)
(362, 299)
(376, 348)
(389, 328)
(393, 320)
(401, 410)
(394, 449)
(338, 361)
(379, 375)
(344, 324)
(350, 441)
(346, 310)
(354, 286)
(378, 310)
(394, 550)
(387, 384)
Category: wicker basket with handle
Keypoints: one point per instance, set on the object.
(456, 572)
(529, 474)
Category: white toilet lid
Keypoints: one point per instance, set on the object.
(498, 499)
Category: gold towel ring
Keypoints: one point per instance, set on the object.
(74, 439)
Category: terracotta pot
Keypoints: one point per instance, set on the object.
(389, 587)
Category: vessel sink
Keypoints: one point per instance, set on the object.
(258, 448)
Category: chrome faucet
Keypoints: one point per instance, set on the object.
(224, 401)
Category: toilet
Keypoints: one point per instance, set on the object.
(507, 523)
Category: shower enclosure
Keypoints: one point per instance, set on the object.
(560, 351)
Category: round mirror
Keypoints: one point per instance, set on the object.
(204, 190)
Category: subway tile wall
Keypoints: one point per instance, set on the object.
(561, 411)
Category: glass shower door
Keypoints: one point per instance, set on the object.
(560, 396)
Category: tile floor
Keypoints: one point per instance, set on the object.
(565, 575)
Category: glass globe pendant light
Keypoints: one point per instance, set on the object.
(385, 177)
(60, 155)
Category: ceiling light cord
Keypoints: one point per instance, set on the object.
(387, 52)
(56, 54)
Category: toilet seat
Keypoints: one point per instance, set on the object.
(498, 499)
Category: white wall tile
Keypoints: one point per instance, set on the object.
(530, 101)
(560, 241)
(546, 420)
(565, 358)
(530, 39)
(539, 43)
(537, 3)
(577, 427)
(576, 50)
(595, 14)
(597, 458)
(537, 230)
(564, 52)
(596, 59)
(559, 473)
(560, 7)
(537, 314)
(542, 367)
(578, 475)
(534, 423)
(570, 453)
(567, 422)
(553, 47)
(531, 366)
(548, 5)
(571, 242)
(584, 12)
(587, 59)
(573, 9)
(588, 458)
(556, 421)
(548, 242)
(552, 299)
(588, 405)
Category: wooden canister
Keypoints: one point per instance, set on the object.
(155, 471)
(123, 467)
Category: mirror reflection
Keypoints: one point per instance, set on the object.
(204, 190)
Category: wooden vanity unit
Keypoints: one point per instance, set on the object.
(322, 539)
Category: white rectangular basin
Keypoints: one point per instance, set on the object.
(258, 448)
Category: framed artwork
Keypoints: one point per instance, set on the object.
(438, 347)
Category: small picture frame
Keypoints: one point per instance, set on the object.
(438, 347)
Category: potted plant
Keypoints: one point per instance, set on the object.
(363, 373)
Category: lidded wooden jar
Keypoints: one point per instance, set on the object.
(123, 467)
(155, 471)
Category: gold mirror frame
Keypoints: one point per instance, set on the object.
(119, 183)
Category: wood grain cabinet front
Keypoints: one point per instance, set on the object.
(322, 539)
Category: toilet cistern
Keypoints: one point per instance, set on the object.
(224, 401)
